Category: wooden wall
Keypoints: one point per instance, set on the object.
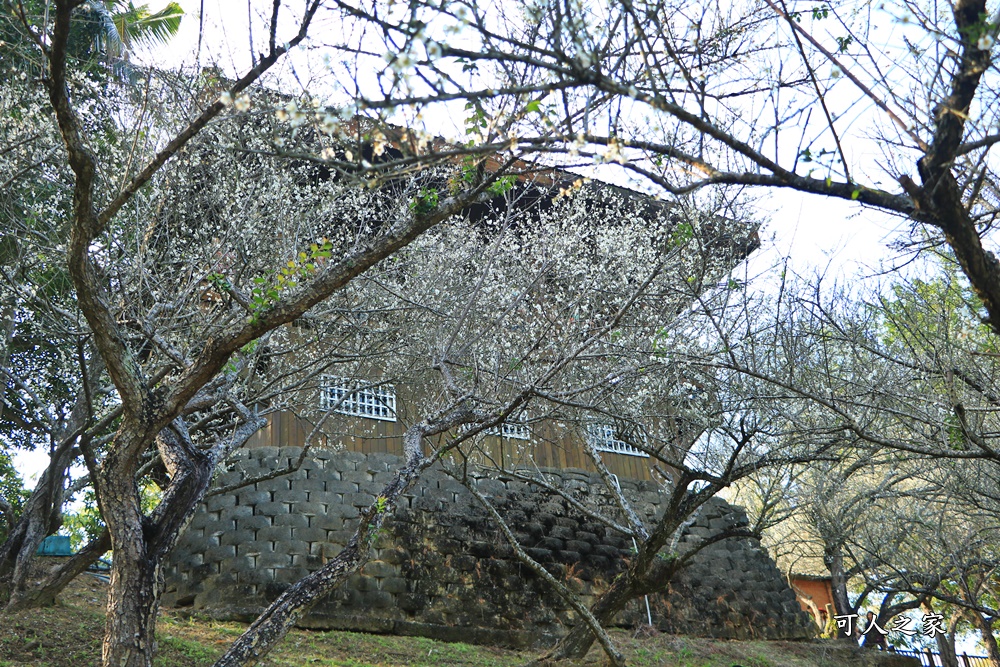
(550, 447)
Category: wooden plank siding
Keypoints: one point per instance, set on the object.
(549, 447)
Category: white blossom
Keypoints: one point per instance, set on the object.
(378, 143)
(329, 123)
(612, 153)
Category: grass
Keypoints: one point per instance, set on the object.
(69, 635)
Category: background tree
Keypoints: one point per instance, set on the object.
(907, 511)
(847, 516)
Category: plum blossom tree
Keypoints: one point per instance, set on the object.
(184, 288)
(703, 424)
(215, 259)
(532, 314)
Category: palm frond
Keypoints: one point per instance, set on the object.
(140, 27)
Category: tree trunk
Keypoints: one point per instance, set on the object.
(989, 640)
(136, 579)
(646, 573)
(141, 544)
(842, 605)
(643, 576)
(133, 593)
(946, 648)
(271, 626)
(40, 518)
(579, 640)
(44, 592)
(291, 605)
(945, 640)
(129, 633)
(817, 617)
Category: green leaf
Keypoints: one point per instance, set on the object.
(533, 106)
(139, 26)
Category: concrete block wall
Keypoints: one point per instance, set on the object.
(443, 570)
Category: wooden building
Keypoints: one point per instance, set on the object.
(373, 421)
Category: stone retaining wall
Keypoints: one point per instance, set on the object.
(443, 570)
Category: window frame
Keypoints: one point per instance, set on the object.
(605, 441)
(518, 429)
(376, 402)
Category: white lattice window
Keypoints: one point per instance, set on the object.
(602, 436)
(515, 427)
(373, 402)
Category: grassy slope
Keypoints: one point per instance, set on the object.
(68, 635)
